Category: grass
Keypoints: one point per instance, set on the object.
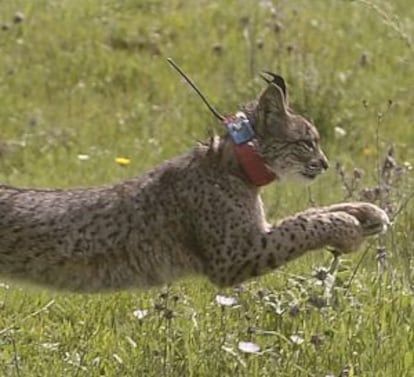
(90, 77)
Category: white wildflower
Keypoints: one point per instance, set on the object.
(296, 339)
(140, 314)
(226, 300)
(339, 132)
(248, 347)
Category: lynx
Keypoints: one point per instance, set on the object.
(197, 214)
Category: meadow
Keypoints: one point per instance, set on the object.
(87, 98)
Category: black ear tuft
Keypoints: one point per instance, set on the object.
(275, 79)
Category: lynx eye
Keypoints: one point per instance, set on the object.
(309, 145)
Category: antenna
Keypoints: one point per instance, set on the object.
(198, 91)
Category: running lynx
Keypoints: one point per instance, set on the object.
(199, 213)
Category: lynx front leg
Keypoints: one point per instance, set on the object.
(256, 254)
(372, 218)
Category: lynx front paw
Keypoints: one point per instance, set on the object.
(346, 234)
(372, 219)
(359, 220)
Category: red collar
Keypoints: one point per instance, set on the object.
(253, 165)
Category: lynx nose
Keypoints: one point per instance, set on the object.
(324, 163)
(323, 160)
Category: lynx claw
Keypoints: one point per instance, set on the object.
(375, 228)
(377, 222)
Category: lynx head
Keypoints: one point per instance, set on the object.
(288, 142)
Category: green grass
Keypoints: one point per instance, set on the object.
(90, 77)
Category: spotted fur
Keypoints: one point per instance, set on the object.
(194, 214)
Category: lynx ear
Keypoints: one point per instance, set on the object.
(271, 111)
(275, 79)
(272, 101)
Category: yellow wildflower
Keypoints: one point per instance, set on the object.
(368, 151)
(122, 161)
